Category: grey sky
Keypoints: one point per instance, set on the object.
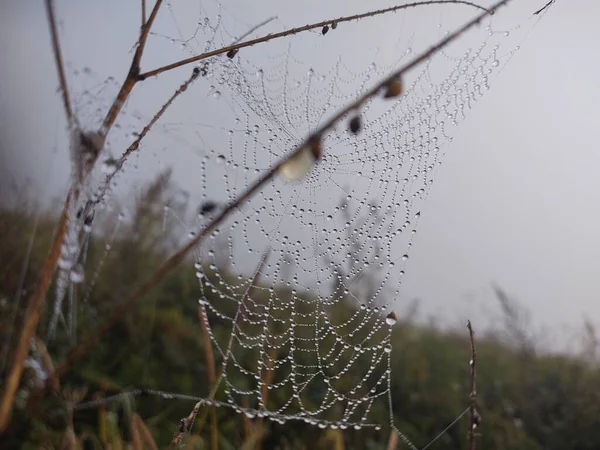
(515, 201)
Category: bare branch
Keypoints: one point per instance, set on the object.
(473, 413)
(32, 318)
(292, 31)
(59, 62)
(125, 306)
(132, 75)
(143, 12)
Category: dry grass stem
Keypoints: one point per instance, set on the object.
(32, 318)
(211, 375)
(62, 79)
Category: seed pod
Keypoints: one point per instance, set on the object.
(207, 207)
(394, 88)
(333, 25)
(355, 124)
(232, 53)
(325, 30)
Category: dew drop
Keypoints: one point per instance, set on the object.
(109, 166)
(77, 274)
(391, 319)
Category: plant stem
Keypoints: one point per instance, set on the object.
(32, 318)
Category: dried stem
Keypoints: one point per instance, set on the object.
(211, 375)
(143, 12)
(144, 432)
(32, 318)
(316, 136)
(393, 440)
(473, 414)
(132, 75)
(186, 425)
(62, 79)
(292, 31)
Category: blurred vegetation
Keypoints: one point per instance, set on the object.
(528, 400)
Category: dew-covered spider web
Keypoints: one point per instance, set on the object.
(306, 274)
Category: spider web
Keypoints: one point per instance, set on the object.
(306, 274)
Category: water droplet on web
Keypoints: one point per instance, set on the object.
(77, 274)
(65, 263)
(109, 166)
(221, 159)
(216, 94)
(391, 319)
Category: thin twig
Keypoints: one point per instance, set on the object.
(124, 307)
(543, 8)
(32, 318)
(297, 30)
(254, 28)
(473, 414)
(62, 79)
(132, 75)
(143, 12)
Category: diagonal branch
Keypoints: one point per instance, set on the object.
(132, 75)
(143, 12)
(292, 31)
(62, 79)
(310, 143)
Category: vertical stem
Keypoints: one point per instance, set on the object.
(59, 62)
(32, 318)
(474, 415)
(210, 369)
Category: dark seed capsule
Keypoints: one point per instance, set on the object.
(325, 30)
(316, 149)
(80, 212)
(355, 124)
(231, 53)
(207, 207)
(196, 71)
(334, 25)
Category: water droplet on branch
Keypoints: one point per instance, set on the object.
(302, 162)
